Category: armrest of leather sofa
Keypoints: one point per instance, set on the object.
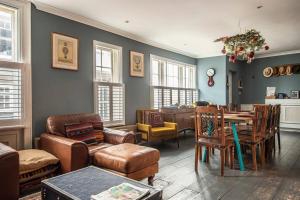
(72, 154)
(113, 136)
(9, 173)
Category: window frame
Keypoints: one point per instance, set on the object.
(182, 83)
(22, 61)
(111, 84)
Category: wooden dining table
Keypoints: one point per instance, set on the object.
(234, 118)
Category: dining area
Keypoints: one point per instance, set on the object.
(245, 139)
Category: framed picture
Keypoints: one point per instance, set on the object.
(64, 52)
(136, 64)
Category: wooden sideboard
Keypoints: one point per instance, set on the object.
(290, 113)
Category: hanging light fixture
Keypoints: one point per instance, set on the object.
(243, 46)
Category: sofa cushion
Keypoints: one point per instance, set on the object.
(88, 138)
(56, 123)
(126, 158)
(155, 119)
(72, 130)
(96, 123)
(96, 147)
(34, 159)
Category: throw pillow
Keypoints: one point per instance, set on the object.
(155, 119)
(78, 129)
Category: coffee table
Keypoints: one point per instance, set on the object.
(81, 184)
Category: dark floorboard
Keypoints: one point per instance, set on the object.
(279, 179)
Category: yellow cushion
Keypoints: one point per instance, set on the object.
(158, 130)
(34, 159)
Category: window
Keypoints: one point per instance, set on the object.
(8, 33)
(109, 89)
(172, 83)
(12, 68)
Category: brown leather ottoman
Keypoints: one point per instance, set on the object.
(130, 160)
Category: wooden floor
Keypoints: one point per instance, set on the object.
(280, 179)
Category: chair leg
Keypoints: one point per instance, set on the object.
(200, 153)
(262, 153)
(226, 157)
(222, 152)
(207, 154)
(177, 139)
(231, 157)
(150, 180)
(196, 157)
(278, 139)
(253, 148)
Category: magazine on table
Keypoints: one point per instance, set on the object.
(124, 191)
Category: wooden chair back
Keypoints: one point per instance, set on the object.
(260, 121)
(209, 123)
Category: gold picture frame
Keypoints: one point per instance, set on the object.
(64, 51)
(136, 64)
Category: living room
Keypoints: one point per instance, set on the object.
(138, 79)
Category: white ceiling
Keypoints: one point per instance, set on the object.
(191, 26)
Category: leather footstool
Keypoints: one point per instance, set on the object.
(130, 160)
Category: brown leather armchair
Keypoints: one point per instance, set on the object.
(75, 154)
(9, 173)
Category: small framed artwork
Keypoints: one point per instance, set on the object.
(136, 64)
(64, 52)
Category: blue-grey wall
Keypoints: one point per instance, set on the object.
(235, 69)
(57, 91)
(255, 84)
(217, 93)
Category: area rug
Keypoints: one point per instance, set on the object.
(34, 196)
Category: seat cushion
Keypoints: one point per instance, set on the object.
(96, 147)
(160, 131)
(126, 158)
(34, 159)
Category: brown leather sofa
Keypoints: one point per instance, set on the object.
(9, 173)
(75, 154)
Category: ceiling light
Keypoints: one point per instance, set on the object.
(243, 46)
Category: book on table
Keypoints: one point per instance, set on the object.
(124, 191)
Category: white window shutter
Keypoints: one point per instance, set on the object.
(118, 103)
(11, 103)
(103, 99)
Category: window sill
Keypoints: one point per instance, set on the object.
(14, 127)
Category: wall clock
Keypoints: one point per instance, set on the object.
(210, 73)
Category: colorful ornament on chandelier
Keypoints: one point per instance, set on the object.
(223, 50)
(267, 47)
(232, 58)
(251, 55)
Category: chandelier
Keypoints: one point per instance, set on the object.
(243, 46)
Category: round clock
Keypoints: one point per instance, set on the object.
(210, 73)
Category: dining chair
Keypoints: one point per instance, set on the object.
(277, 123)
(210, 133)
(255, 137)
